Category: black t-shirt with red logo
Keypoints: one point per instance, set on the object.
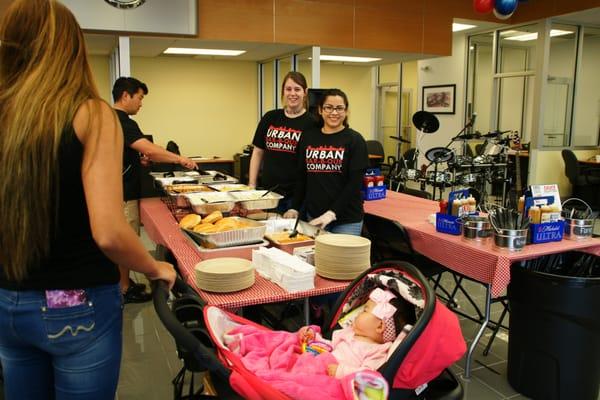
(331, 170)
(278, 136)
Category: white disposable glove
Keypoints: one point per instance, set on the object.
(291, 214)
(325, 219)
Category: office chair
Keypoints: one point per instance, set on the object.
(585, 180)
(374, 147)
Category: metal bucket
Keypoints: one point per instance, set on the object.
(578, 229)
(478, 229)
(511, 239)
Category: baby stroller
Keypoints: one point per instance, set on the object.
(416, 367)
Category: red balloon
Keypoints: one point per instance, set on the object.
(483, 6)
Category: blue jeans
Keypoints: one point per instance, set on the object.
(352, 228)
(61, 353)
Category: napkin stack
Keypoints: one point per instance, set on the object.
(289, 272)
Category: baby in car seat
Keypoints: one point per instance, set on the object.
(365, 342)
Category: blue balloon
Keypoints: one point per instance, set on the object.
(505, 7)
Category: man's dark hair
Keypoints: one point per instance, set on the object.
(129, 85)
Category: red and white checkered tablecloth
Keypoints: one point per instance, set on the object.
(162, 228)
(482, 262)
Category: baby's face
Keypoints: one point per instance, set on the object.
(368, 325)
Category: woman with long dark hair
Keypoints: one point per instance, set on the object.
(333, 160)
(63, 229)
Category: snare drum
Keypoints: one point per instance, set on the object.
(441, 177)
(492, 148)
(411, 174)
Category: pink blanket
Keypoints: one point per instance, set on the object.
(275, 357)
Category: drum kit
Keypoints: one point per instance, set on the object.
(487, 167)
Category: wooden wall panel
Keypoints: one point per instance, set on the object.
(326, 23)
(437, 32)
(244, 20)
(533, 10)
(377, 29)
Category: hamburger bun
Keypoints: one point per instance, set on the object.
(190, 221)
(213, 217)
(205, 228)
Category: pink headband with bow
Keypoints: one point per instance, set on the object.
(385, 312)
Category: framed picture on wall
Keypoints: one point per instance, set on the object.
(439, 99)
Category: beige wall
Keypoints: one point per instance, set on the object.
(356, 82)
(101, 69)
(207, 107)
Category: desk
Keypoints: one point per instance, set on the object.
(162, 228)
(481, 262)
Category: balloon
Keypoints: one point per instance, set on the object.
(483, 6)
(500, 16)
(505, 7)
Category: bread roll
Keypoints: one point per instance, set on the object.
(190, 221)
(213, 217)
(205, 228)
(226, 224)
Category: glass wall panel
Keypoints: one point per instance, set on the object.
(516, 49)
(480, 81)
(586, 121)
(559, 90)
(304, 65)
(268, 95)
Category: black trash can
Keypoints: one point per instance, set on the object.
(554, 335)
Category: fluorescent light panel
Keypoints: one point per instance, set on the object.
(203, 52)
(325, 57)
(533, 36)
(456, 27)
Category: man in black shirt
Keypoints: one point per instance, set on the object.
(128, 94)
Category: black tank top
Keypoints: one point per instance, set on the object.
(75, 261)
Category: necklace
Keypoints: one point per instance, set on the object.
(290, 112)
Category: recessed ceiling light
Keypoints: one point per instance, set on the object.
(349, 59)
(203, 52)
(524, 37)
(456, 27)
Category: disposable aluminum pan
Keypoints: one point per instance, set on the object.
(477, 228)
(207, 202)
(253, 233)
(511, 239)
(253, 200)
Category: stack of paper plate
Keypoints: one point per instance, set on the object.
(226, 274)
(343, 257)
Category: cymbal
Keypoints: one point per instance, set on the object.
(425, 121)
(494, 133)
(402, 140)
(439, 154)
(468, 136)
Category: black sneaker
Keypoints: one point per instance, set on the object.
(140, 287)
(132, 295)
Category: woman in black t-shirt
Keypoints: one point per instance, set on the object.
(276, 138)
(332, 162)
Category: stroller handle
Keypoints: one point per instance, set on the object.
(183, 337)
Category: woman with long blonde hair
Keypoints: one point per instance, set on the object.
(63, 230)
